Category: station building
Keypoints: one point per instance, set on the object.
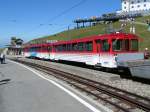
(135, 5)
(14, 50)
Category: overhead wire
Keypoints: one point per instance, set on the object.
(58, 15)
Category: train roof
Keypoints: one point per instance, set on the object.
(90, 38)
(102, 37)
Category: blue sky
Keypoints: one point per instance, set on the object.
(29, 19)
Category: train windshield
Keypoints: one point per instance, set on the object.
(120, 45)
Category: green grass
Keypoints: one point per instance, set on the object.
(141, 31)
(143, 19)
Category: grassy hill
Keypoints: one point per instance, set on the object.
(140, 24)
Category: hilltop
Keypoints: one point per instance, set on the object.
(140, 24)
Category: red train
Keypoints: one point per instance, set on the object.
(109, 50)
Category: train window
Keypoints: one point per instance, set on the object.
(81, 46)
(49, 48)
(60, 48)
(45, 48)
(134, 45)
(105, 45)
(89, 46)
(63, 47)
(98, 45)
(74, 47)
(117, 45)
(98, 41)
(56, 48)
(35, 49)
(68, 47)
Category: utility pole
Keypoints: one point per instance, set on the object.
(129, 5)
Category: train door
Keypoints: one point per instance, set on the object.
(106, 57)
(98, 48)
(49, 49)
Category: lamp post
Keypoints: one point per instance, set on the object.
(132, 28)
(129, 5)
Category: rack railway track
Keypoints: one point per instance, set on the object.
(121, 100)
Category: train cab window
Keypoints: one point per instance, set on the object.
(105, 45)
(32, 49)
(44, 48)
(117, 45)
(38, 48)
(120, 45)
(81, 46)
(60, 48)
(89, 46)
(134, 45)
(35, 49)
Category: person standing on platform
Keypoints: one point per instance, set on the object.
(1, 58)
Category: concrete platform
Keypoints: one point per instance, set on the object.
(140, 68)
(27, 92)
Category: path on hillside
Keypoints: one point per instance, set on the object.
(140, 23)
